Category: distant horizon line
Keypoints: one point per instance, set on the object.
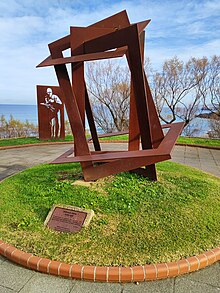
(18, 104)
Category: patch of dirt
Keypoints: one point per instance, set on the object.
(78, 180)
(68, 176)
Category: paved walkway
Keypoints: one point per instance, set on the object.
(14, 278)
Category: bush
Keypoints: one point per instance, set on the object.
(14, 128)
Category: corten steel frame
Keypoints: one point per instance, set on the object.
(110, 38)
(47, 112)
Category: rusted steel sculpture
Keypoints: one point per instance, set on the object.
(50, 112)
(110, 38)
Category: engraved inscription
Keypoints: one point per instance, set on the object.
(66, 220)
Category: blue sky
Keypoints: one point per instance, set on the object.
(181, 28)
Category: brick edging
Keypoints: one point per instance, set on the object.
(110, 274)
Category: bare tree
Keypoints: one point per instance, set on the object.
(210, 87)
(176, 89)
(215, 128)
(179, 91)
(108, 85)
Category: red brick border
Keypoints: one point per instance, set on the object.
(110, 274)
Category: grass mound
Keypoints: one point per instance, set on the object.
(136, 221)
(33, 140)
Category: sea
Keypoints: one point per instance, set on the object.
(29, 112)
(20, 112)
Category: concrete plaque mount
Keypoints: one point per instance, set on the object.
(65, 218)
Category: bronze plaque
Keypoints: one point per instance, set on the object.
(66, 220)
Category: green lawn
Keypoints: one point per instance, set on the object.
(199, 141)
(29, 140)
(117, 137)
(181, 139)
(135, 222)
(33, 140)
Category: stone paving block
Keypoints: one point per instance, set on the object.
(89, 287)
(183, 286)
(6, 290)
(114, 146)
(7, 174)
(178, 160)
(191, 157)
(216, 155)
(161, 286)
(209, 164)
(211, 170)
(12, 163)
(176, 153)
(191, 151)
(203, 150)
(2, 259)
(2, 169)
(42, 283)
(209, 160)
(192, 163)
(210, 275)
(178, 150)
(13, 276)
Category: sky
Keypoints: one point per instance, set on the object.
(177, 28)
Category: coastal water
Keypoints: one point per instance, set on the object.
(20, 112)
(198, 127)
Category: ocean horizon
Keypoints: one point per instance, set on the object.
(29, 112)
(20, 112)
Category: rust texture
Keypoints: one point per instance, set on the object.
(112, 37)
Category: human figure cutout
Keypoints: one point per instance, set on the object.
(54, 105)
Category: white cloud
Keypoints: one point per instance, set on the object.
(159, 55)
(182, 28)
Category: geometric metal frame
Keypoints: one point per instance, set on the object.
(110, 38)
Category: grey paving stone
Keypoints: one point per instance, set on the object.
(2, 259)
(6, 290)
(192, 163)
(211, 170)
(209, 161)
(191, 154)
(216, 157)
(210, 275)
(89, 287)
(161, 286)
(197, 166)
(42, 283)
(186, 285)
(13, 276)
(178, 160)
